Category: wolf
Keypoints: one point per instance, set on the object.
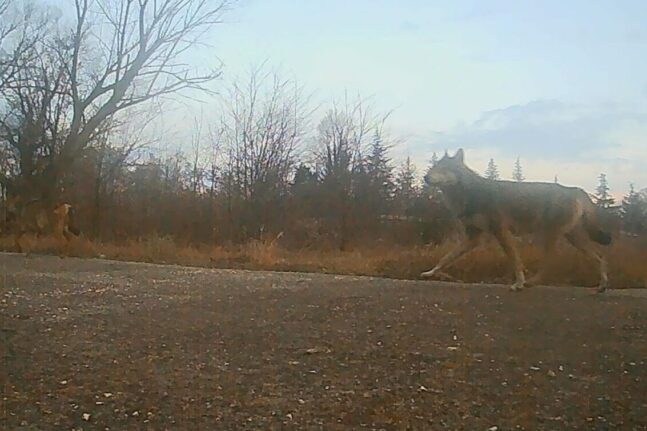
(39, 218)
(505, 209)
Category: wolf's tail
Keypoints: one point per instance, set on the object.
(592, 225)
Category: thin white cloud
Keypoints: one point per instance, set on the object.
(552, 138)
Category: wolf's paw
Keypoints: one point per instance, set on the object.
(604, 284)
(516, 287)
(427, 274)
(439, 275)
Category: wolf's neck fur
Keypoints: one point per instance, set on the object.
(457, 195)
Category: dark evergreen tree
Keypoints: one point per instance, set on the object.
(405, 181)
(434, 159)
(379, 171)
(517, 173)
(304, 175)
(602, 197)
(492, 171)
(304, 190)
(427, 189)
(633, 211)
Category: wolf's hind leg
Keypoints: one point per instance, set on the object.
(461, 249)
(506, 240)
(548, 247)
(585, 246)
(17, 244)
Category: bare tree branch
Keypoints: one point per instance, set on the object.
(21, 30)
(264, 123)
(68, 85)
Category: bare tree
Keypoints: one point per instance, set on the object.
(111, 153)
(264, 123)
(342, 139)
(214, 160)
(140, 46)
(22, 28)
(197, 170)
(119, 54)
(32, 122)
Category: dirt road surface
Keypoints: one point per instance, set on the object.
(97, 345)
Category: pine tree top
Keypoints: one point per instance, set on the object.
(434, 159)
(602, 196)
(517, 173)
(492, 171)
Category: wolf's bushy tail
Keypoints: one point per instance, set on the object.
(592, 225)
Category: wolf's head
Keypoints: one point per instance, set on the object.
(448, 170)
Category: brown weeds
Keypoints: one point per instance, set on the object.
(627, 259)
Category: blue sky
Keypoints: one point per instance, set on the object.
(560, 84)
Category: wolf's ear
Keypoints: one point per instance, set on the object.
(460, 155)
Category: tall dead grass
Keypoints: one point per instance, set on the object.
(627, 259)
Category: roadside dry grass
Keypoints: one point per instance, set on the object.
(627, 259)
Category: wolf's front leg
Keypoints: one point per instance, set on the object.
(506, 240)
(452, 256)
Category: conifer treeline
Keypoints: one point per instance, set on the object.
(75, 100)
(339, 200)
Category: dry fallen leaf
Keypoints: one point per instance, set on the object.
(313, 350)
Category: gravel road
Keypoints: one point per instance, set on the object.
(97, 345)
